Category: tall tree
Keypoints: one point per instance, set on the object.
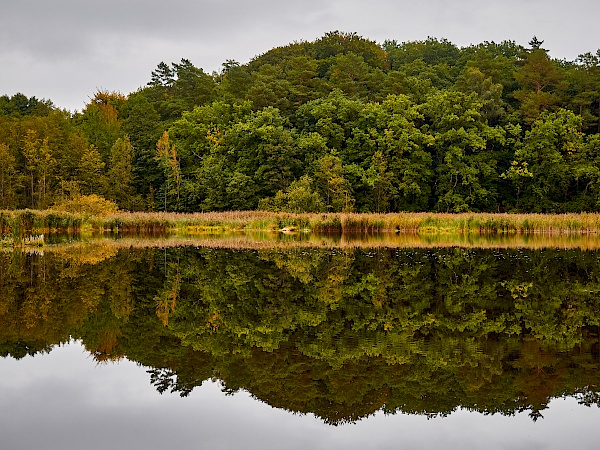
(330, 183)
(143, 126)
(39, 162)
(120, 175)
(100, 121)
(541, 82)
(545, 164)
(406, 148)
(168, 161)
(90, 172)
(463, 152)
(9, 178)
(585, 89)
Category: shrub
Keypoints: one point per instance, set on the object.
(88, 205)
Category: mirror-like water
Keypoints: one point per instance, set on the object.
(320, 346)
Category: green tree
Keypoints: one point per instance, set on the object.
(211, 179)
(192, 86)
(90, 172)
(489, 93)
(270, 88)
(354, 77)
(545, 163)
(20, 105)
(541, 83)
(338, 43)
(299, 197)
(463, 142)
(176, 88)
(379, 181)
(498, 62)
(9, 178)
(120, 175)
(241, 192)
(330, 184)
(584, 78)
(143, 125)
(233, 81)
(100, 121)
(302, 76)
(264, 147)
(333, 117)
(39, 162)
(587, 175)
(409, 162)
(168, 161)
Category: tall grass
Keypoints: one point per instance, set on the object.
(21, 222)
(18, 223)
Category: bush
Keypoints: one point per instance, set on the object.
(88, 205)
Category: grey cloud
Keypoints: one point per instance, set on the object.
(61, 49)
(66, 28)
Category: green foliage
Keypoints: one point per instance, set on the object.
(167, 158)
(462, 144)
(90, 172)
(87, 205)
(416, 126)
(177, 88)
(544, 166)
(120, 174)
(10, 179)
(39, 163)
(299, 197)
(143, 126)
(331, 185)
(100, 121)
(541, 84)
(20, 106)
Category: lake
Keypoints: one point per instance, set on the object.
(278, 341)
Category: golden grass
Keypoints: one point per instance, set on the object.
(470, 223)
(18, 222)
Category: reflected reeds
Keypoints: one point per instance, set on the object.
(261, 240)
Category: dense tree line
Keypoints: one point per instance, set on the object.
(338, 124)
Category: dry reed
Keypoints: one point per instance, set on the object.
(15, 222)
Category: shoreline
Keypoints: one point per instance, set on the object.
(19, 223)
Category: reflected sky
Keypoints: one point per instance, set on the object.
(66, 400)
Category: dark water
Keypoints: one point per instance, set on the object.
(107, 347)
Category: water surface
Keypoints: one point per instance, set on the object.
(117, 344)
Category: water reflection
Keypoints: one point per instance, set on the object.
(341, 333)
(64, 400)
(266, 239)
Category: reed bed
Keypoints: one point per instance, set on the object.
(18, 223)
(22, 222)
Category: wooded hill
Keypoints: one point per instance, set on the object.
(339, 124)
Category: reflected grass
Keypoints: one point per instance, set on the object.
(95, 247)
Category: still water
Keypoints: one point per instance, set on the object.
(118, 344)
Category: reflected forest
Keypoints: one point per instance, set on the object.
(339, 333)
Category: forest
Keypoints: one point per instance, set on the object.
(339, 124)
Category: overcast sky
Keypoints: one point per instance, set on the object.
(65, 50)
